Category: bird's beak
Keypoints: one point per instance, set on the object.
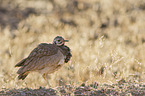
(66, 40)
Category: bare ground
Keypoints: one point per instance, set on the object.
(122, 88)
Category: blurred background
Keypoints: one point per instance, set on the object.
(107, 39)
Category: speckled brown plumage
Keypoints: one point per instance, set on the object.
(45, 58)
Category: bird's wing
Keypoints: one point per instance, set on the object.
(44, 55)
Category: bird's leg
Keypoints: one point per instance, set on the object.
(45, 76)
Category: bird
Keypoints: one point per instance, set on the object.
(45, 59)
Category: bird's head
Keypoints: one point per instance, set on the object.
(59, 41)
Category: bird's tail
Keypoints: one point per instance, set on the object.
(23, 75)
(21, 63)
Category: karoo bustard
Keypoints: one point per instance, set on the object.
(45, 58)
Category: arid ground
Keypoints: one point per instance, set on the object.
(106, 37)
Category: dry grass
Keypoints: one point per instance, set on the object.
(107, 39)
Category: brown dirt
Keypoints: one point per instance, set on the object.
(121, 89)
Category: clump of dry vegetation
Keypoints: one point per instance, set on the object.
(107, 39)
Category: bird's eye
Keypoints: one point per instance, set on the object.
(58, 40)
